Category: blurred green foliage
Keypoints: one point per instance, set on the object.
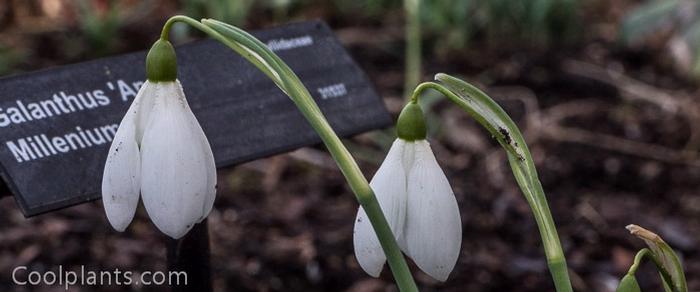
(450, 20)
(646, 19)
(452, 23)
(99, 27)
(368, 8)
(9, 58)
(456, 22)
(679, 20)
(233, 12)
(528, 22)
(447, 25)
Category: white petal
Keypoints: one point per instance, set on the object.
(389, 186)
(121, 176)
(368, 252)
(210, 167)
(433, 231)
(176, 180)
(145, 99)
(407, 159)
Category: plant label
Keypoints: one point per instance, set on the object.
(56, 125)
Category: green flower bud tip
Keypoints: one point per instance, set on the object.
(161, 62)
(628, 284)
(411, 123)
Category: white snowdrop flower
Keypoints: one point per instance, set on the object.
(418, 203)
(160, 152)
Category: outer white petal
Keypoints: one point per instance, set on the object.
(389, 185)
(210, 165)
(433, 231)
(176, 182)
(122, 172)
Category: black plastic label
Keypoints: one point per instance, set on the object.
(56, 125)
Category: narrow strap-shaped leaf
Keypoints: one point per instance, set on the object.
(289, 82)
(628, 284)
(664, 257)
(492, 117)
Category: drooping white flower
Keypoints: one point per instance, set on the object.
(161, 153)
(420, 207)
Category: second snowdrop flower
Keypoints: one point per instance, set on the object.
(418, 202)
(160, 152)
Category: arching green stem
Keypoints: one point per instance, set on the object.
(665, 276)
(645, 252)
(247, 54)
(264, 59)
(492, 117)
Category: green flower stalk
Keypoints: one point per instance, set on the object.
(269, 63)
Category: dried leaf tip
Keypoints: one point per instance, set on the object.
(643, 233)
(665, 258)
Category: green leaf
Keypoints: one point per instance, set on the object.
(666, 287)
(628, 284)
(492, 117)
(664, 257)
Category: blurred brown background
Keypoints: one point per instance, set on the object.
(605, 92)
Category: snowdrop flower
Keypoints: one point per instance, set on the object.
(161, 152)
(418, 203)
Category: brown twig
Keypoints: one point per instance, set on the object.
(552, 129)
(676, 102)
